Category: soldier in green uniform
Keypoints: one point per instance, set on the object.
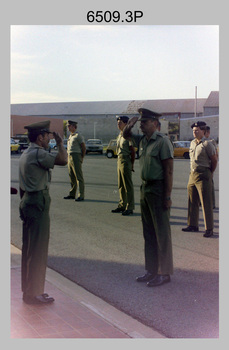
(34, 179)
(203, 162)
(125, 166)
(76, 150)
(207, 137)
(156, 170)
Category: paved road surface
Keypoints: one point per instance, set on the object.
(103, 252)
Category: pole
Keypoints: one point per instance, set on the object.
(195, 101)
(95, 130)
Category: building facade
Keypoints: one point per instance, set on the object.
(98, 119)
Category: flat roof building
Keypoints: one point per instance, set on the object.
(98, 118)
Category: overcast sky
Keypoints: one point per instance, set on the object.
(106, 63)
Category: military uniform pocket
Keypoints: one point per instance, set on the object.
(32, 205)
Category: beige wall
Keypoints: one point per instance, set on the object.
(186, 130)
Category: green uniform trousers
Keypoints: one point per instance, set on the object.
(200, 191)
(76, 174)
(34, 211)
(125, 184)
(156, 229)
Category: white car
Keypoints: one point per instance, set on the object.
(94, 145)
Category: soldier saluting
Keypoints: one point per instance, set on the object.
(34, 179)
(156, 170)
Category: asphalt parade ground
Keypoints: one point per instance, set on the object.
(102, 253)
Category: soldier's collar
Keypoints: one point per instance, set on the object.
(199, 141)
(35, 145)
(154, 135)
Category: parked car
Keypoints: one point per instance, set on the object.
(111, 150)
(94, 145)
(22, 140)
(65, 142)
(52, 144)
(14, 146)
(181, 149)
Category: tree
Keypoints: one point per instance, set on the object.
(65, 128)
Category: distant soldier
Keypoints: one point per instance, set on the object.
(125, 166)
(207, 137)
(203, 162)
(76, 151)
(34, 179)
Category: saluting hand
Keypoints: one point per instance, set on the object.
(57, 137)
(130, 124)
(132, 121)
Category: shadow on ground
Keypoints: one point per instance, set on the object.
(180, 309)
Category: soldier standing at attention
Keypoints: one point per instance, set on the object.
(203, 162)
(207, 137)
(76, 151)
(156, 169)
(34, 179)
(125, 166)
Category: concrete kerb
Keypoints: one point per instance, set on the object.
(120, 320)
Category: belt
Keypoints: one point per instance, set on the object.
(121, 155)
(151, 182)
(71, 153)
(34, 192)
(199, 169)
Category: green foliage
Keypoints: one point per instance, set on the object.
(65, 128)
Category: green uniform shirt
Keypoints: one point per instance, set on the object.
(123, 146)
(200, 153)
(151, 153)
(74, 142)
(34, 165)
